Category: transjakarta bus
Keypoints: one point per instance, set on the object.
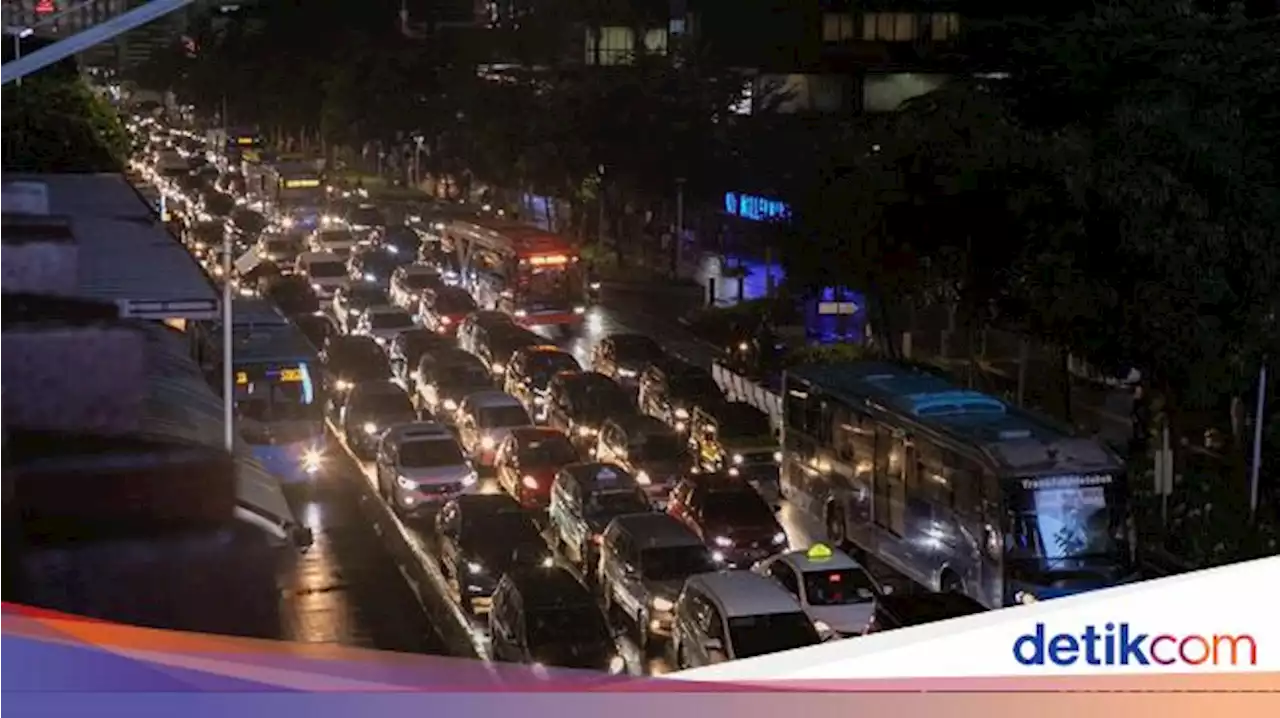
(294, 190)
(278, 387)
(957, 490)
(531, 274)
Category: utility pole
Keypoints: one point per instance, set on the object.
(679, 239)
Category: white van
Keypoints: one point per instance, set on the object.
(736, 614)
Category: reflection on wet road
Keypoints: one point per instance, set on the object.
(346, 589)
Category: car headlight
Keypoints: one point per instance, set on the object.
(547, 562)
(627, 373)
(521, 313)
(368, 277)
(406, 483)
(643, 478)
(779, 538)
(392, 249)
(539, 400)
(595, 286)
(487, 443)
(777, 456)
(498, 368)
(438, 226)
(579, 310)
(722, 541)
(315, 286)
(717, 557)
(370, 428)
(474, 568)
(450, 405)
(681, 426)
(682, 414)
(661, 604)
(586, 431)
(617, 665)
(529, 482)
(822, 628)
(738, 458)
(312, 460)
(342, 385)
(1025, 598)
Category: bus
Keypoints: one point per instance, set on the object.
(293, 190)
(279, 389)
(955, 489)
(533, 275)
(242, 145)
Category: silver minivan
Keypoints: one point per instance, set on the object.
(484, 419)
(420, 466)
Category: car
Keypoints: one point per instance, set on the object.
(325, 270)
(383, 323)
(480, 537)
(400, 240)
(585, 497)
(652, 451)
(668, 390)
(900, 610)
(409, 282)
(420, 466)
(350, 301)
(622, 357)
(281, 249)
(579, 403)
(527, 461)
(833, 588)
(444, 308)
(407, 348)
(529, 371)
(349, 360)
(292, 294)
(546, 617)
(365, 218)
(484, 420)
(730, 517)
(204, 239)
(372, 407)
(496, 345)
(333, 240)
(477, 324)
(645, 558)
(731, 615)
(445, 378)
(737, 438)
(318, 328)
(371, 265)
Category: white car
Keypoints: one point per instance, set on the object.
(729, 615)
(326, 271)
(486, 418)
(408, 283)
(384, 323)
(836, 592)
(339, 241)
(421, 466)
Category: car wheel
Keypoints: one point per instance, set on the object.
(835, 525)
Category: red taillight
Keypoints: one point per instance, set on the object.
(597, 539)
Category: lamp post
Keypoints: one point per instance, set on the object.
(228, 374)
(19, 33)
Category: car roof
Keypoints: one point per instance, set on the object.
(487, 504)
(550, 588)
(743, 593)
(419, 269)
(642, 423)
(419, 430)
(802, 561)
(377, 386)
(656, 530)
(536, 433)
(319, 257)
(492, 399)
(592, 474)
(385, 309)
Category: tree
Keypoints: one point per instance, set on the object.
(56, 124)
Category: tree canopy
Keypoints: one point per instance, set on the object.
(53, 123)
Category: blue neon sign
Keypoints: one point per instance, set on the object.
(756, 209)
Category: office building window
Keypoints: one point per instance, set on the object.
(617, 44)
(943, 26)
(890, 26)
(655, 42)
(837, 27)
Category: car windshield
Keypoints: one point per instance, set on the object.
(616, 502)
(636, 348)
(454, 303)
(675, 563)
(550, 451)
(359, 361)
(327, 270)
(383, 403)
(366, 217)
(658, 447)
(335, 236)
(843, 587)
(428, 453)
(499, 417)
(771, 633)
(464, 375)
(421, 280)
(739, 508)
(281, 245)
(576, 624)
(511, 528)
(390, 320)
(365, 297)
(549, 364)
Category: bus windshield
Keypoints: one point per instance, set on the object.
(550, 287)
(1051, 523)
(276, 392)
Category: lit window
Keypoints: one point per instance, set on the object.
(944, 26)
(617, 44)
(837, 27)
(889, 27)
(655, 42)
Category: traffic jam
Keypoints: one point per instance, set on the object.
(580, 497)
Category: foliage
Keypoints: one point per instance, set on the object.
(55, 124)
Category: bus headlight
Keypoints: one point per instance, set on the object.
(370, 428)
(738, 458)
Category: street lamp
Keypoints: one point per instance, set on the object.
(228, 375)
(19, 34)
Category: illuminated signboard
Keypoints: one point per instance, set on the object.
(285, 375)
(548, 260)
(1071, 481)
(756, 209)
(245, 141)
(301, 183)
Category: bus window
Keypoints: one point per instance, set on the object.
(795, 410)
(845, 433)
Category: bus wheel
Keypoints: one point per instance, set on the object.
(951, 583)
(835, 525)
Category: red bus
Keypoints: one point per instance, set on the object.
(531, 274)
